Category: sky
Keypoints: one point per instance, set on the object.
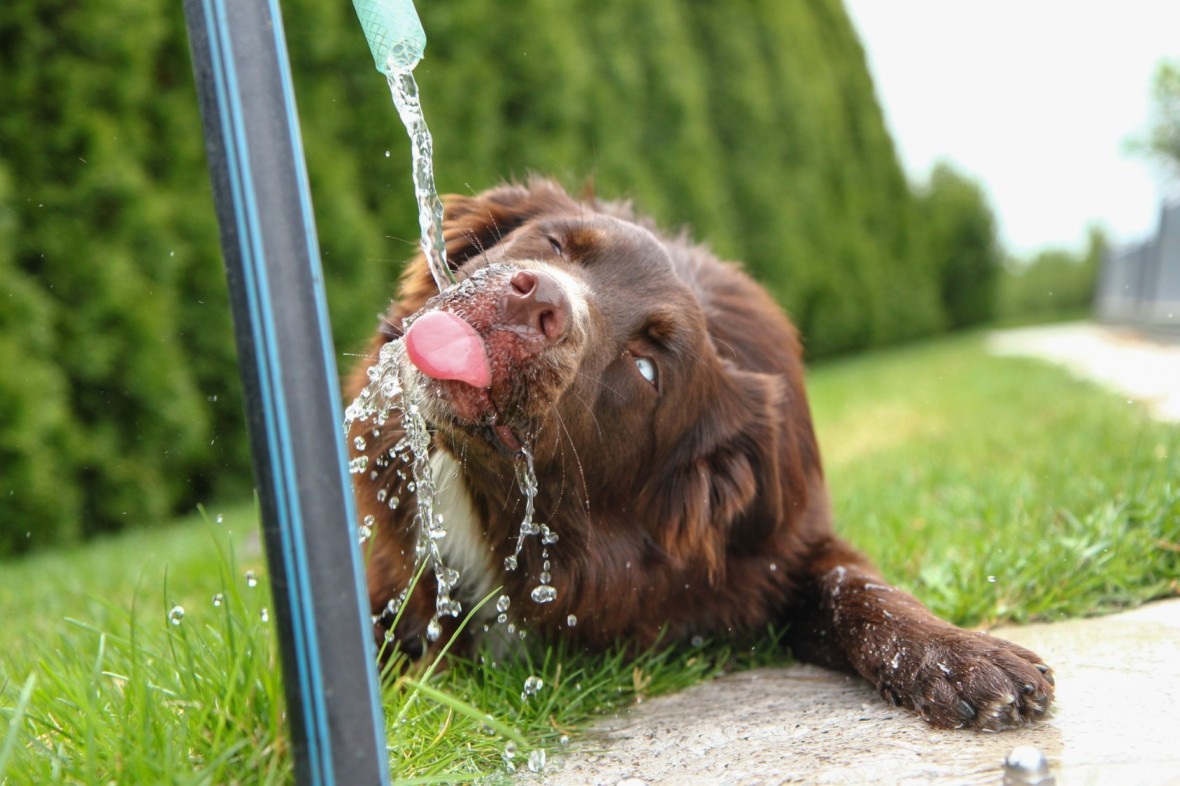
(1035, 99)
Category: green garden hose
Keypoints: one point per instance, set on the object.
(394, 33)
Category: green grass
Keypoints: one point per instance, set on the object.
(994, 488)
(999, 488)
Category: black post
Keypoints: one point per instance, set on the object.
(293, 409)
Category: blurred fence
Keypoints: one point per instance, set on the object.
(1140, 284)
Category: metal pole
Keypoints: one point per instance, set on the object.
(293, 410)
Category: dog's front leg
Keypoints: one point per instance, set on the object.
(953, 678)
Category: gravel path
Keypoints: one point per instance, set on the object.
(1144, 370)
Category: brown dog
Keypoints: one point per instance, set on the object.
(679, 485)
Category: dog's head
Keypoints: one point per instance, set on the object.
(654, 376)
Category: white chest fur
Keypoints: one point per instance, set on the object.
(465, 547)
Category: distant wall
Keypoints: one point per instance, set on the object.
(1140, 284)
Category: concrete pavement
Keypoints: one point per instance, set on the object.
(1115, 722)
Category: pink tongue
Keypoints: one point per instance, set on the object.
(443, 346)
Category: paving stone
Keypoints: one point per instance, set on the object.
(1118, 682)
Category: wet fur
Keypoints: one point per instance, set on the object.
(700, 512)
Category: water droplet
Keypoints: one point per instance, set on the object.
(220, 519)
(264, 615)
(387, 154)
(1026, 765)
(176, 615)
(544, 578)
(503, 602)
(571, 620)
(358, 465)
(509, 754)
(382, 494)
(251, 579)
(366, 528)
(543, 593)
(218, 599)
(359, 443)
(991, 579)
(510, 563)
(564, 740)
(502, 618)
(698, 641)
(532, 684)
(433, 630)
(537, 760)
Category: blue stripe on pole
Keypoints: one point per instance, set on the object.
(341, 459)
(292, 400)
(274, 407)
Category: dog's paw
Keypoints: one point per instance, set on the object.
(959, 679)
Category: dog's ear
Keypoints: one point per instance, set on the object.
(742, 473)
(471, 225)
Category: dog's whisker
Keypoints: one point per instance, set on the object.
(573, 449)
(590, 410)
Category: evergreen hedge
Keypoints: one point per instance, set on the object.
(753, 121)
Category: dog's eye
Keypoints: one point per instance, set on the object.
(647, 368)
(554, 244)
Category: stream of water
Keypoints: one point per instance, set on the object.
(385, 394)
(430, 211)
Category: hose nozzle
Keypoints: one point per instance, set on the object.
(394, 33)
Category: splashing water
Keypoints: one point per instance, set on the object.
(526, 480)
(375, 404)
(176, 615)
(381, 398)
(430, 212)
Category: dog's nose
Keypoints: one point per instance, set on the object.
(537, 303)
